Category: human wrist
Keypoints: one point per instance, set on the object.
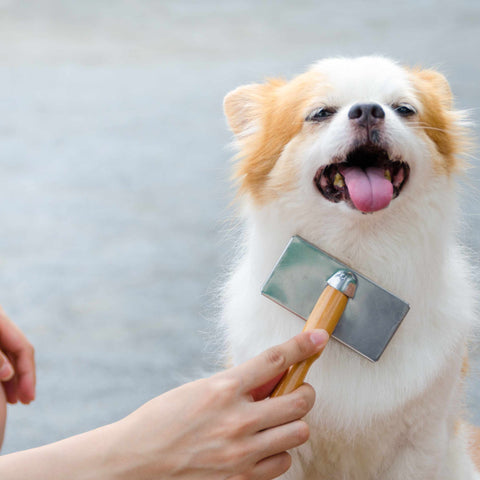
(136, 451)
(108, 453)
(118, 461)
(88, 456)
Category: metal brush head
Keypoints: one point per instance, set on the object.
(370, 319)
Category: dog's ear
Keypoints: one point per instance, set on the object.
(242, 108)
(246, 105)
(435, 83)
(445, 126)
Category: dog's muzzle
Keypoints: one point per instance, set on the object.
(367, 179)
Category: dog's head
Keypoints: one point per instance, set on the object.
(354, 135)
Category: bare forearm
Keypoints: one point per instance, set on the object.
(214, 428)
(88, 456)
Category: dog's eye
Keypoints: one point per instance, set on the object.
(405, 110)
(320, 114)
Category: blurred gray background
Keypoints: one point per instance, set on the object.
(114, 190)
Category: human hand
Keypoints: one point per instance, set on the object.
(17, 364)
(223, 426)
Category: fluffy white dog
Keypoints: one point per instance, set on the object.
(358, 156)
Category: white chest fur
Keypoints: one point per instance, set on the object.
(367, 414)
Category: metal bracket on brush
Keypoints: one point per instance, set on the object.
(344, 281)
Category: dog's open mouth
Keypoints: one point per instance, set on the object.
(368, 179)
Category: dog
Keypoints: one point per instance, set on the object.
(360, 157)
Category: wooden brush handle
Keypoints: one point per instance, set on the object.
(325, 315)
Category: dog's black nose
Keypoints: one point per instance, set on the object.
(366, 114)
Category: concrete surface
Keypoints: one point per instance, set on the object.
(114, 192)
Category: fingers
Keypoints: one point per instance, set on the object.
(276, 440)
(285, 409)
(11, 390)
(25, 373)
(6, 368)
(272, 467)
(263, 391)
(274, 361)
(3, 414)
(21, 356)
(268, 468)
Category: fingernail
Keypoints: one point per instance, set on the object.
(6, 371)
(319, 337)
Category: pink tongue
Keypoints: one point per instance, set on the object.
(369, 189)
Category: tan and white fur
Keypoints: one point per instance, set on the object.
(399, 418)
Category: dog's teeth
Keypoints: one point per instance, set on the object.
(338, 180)
(388, 175)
